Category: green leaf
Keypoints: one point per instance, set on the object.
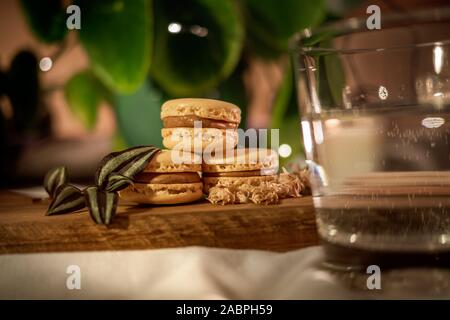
(119, 142)
(47, 18)
(102, 205)
(84, 92)
(91, 194)
(116, 161)
(68, 199)
(291, 135)
(117, 182)
(283, 98)
(272, 23)
(138, 164)
(117, 36)
(133, 112)
(206, 49)
(335, 77)
(233, 90)
(110, 207)
(55, 178)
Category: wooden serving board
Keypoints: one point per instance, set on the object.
(282, 227)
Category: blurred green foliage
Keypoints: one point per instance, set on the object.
(84, 92)
(138, 115)
(140, 61)
(47, 18)
(271, 24)
(204, 52)
(117, 36)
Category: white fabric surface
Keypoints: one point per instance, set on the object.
(192, 273)
(185, 273)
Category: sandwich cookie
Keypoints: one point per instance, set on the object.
(167, 179)
(241, 166)
(182, 118)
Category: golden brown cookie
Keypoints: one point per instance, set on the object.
(242, 166)
(182, 118)
(169, 178)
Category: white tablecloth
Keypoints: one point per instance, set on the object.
(203, 273)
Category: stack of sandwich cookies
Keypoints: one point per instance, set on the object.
(165, 181)
(190, 125)
(243, 166)
(219, 122)
(228, 175)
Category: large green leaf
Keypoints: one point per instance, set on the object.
(204, 51)
(283, 98)
(272, 23)
(335, 77)
(290, 131)
(117, 35)
(233, 90)
(84, 92)
(138, 115)
(47, 18)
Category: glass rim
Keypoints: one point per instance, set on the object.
(353, 25)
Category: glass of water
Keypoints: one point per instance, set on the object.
(375, 118)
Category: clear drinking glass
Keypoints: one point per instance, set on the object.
(375, 118)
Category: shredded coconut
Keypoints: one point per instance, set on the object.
(265, 194)
(289, 185)
(222, 196)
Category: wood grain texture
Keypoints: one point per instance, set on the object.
(286, 226)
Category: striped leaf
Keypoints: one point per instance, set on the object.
(68, 198)
(102, 205)
(117, 182)
(55, 178)
(114, 162)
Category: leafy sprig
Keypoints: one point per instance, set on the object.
(115, 172)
